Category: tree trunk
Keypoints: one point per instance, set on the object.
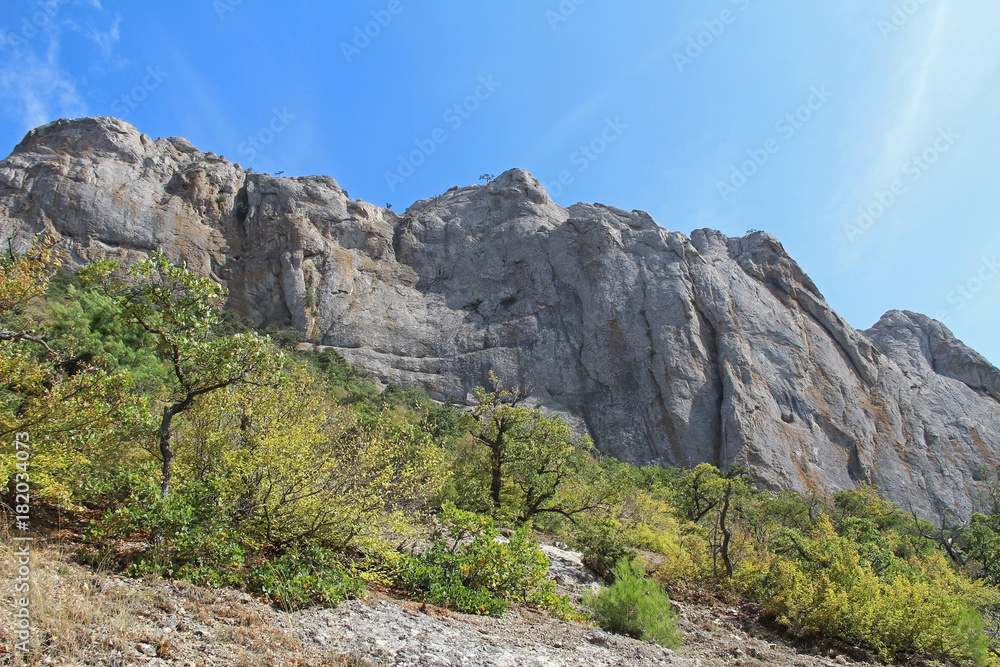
(726, 535)
(496, 476)
(166, 452)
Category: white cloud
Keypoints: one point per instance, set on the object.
(919, 59)
(936, 77)
(40, 90)
(106, 40)
(33, 82)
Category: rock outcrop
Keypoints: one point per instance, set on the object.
(666, 348)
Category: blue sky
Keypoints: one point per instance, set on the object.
(863, 134)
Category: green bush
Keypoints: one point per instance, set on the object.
(604, 543)
(636, 606)
(185, 534)
(295, 580)
(467, 568)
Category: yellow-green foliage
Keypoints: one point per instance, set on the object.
(299, 469)
(829, 591)
(522, 465)
(648, 522)
(77, 416)
(274, 455)
(467, 566)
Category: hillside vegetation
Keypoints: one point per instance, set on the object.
(211, 452)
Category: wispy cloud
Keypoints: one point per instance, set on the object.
(33, 80)
(916, 84)
(39, 89)
(107, 39)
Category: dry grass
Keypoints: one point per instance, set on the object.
(83, 617)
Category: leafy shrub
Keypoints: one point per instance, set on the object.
(349, 383)
(185, 535)
(299, 471)
(295, 580)
(603, 543)
(830, 592)
(636, 606)
(468, 568)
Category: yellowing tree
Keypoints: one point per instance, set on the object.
(298, 469)
(532, 463)
(66, 403)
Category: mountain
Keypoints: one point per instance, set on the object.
(666, 348)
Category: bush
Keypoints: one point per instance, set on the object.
(467, 568)
(295, 580)
(299, 471)
(186, 535)
(918, 608)
(603, 543)
(636, 606)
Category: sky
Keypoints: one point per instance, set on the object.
(862, 133)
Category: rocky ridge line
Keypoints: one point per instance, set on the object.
(666, 348)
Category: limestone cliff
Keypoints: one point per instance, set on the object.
(667, 348)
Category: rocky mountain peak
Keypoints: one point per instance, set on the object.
(930, 349)
(666, 348)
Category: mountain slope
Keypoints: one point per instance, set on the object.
(666, 348)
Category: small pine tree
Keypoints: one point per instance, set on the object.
(636, 606)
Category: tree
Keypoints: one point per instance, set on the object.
(498, 414)
(180, 308)
(23, 279)
(981, 537)
(719, 502)
(533, 463)
(297, 468)
(63, 400)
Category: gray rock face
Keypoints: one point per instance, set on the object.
(666, 348)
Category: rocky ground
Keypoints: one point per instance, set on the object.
(87, 618)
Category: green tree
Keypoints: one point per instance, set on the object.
(533, 463)
(636, 606)
(981, 539)
(179, 309)
(722, 503)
